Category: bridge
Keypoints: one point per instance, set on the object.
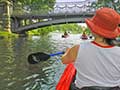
(62, 12)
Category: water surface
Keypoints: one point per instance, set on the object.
(17, 74)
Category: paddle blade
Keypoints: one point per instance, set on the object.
(35, 58)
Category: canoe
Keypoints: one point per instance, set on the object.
(66, 78)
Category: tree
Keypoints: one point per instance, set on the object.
(115, 4)
(35, 6)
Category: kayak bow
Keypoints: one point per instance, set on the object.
(66, 78)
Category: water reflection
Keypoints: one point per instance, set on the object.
(17, 74)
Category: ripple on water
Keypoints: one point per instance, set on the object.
(17, 74)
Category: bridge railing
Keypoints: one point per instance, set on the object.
(57, 8)
(73, 7)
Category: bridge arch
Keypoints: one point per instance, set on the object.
(49, 20)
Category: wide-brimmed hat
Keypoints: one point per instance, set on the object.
(105, 23)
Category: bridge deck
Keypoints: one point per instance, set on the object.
(65, 12)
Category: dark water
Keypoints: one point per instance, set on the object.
(17, 74)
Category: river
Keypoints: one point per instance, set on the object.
(15, 71)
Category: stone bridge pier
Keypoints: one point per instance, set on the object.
(6, 9)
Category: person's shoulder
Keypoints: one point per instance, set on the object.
(117, 47)
(76, 46)
(85, 43)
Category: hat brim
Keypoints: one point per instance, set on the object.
(101, 31)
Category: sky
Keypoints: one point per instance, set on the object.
(73, 0)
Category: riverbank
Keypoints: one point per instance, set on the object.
(5, 34)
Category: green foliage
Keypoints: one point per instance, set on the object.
(73, 28)
(115, 4)
(42, 31)
(88, 31)
(7, 34)
(35, 6)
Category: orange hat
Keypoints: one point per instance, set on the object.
(105, 23)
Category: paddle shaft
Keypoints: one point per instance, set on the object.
(58, 53)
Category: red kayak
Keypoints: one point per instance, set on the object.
(66, 78)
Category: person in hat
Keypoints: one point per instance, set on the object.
(97, 62)
(65, 35)
(84, 36)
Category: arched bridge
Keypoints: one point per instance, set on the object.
(63, 12)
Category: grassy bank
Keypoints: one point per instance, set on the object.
(7, 34)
